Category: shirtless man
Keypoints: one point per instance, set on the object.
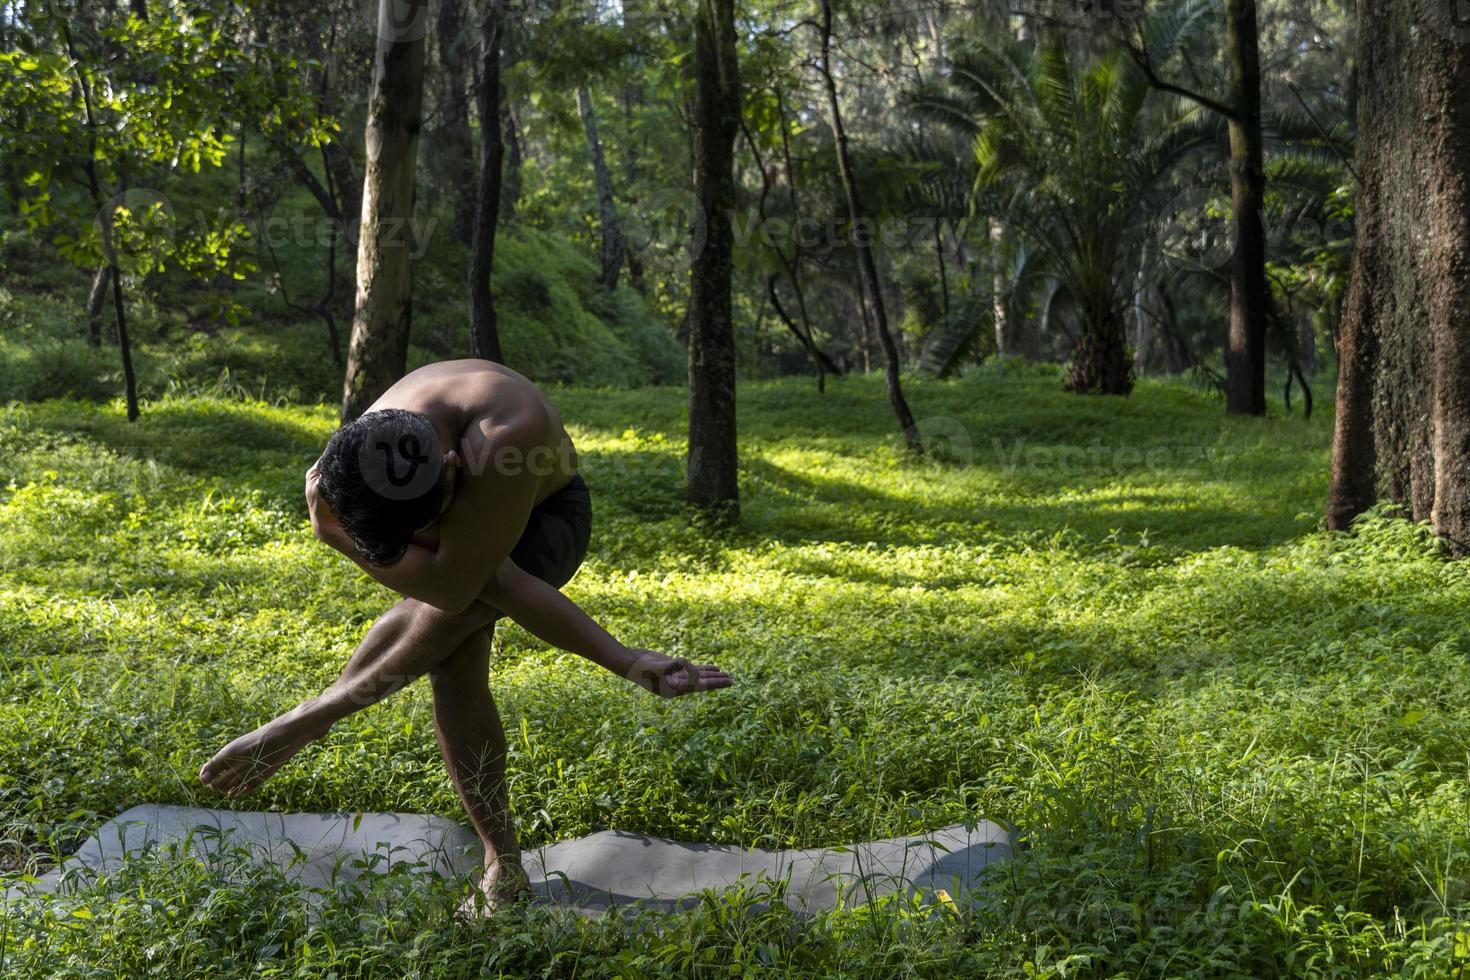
(459, 490)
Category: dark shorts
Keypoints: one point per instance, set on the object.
(555, 539)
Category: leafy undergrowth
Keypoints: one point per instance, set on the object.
(1236, 744)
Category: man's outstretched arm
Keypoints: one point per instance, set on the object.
(547, 614)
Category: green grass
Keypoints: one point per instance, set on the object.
(1236, 744)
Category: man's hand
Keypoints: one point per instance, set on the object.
(672, 677)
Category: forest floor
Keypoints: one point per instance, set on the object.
(1235, 743)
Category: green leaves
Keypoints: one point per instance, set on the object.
(163, 94)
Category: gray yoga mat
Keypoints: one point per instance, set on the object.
(600, 871)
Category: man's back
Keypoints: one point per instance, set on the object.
(491, 397)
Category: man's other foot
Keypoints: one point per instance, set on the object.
(251, 759)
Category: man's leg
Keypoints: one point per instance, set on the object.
(472, 742)
(406, 642)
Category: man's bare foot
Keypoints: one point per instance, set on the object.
(251, 759)
(503, 883)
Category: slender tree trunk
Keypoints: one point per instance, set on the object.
(95, 298)
(510, 179)
(630, 179)
(1403, 403)
(820, 360)
(999, 314)
(712, 463)
(789, 265)
(1245, 357)
(452, 140)
(867, 266)
(1306, 342)
(130, 380)
(607, 211)
(484, 326)
(378, 352)
(339, 162)
(1177, 357)
(1143, 325)
(89, 116)
(943, 272)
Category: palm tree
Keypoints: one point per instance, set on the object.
(1070, 158)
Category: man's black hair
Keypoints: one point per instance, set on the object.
(383, 476)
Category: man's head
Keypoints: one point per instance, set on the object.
(385, 477)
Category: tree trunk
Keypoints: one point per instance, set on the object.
(867, 266)
(130, 381)
(943, 272)
(1000, 315)
(630, 179)
(484, 326)
(452, 140)
(1403, 416)
(95, 299)
(790, 265)
(510, 178)
(607, 212)
(711, 462)
(378, 352)
(1245, 356)
(1143, 326)
(1306, 341)
(1177, 358)
(1100, 364)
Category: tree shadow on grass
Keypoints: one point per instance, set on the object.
(830, 508)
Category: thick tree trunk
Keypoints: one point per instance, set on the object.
(607, 211)
(1245, 356)
(452, 146)
(867, 265)
(378, 352)
(711, 463)
(1100, 364)
(1403, 402)
(484, 326)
